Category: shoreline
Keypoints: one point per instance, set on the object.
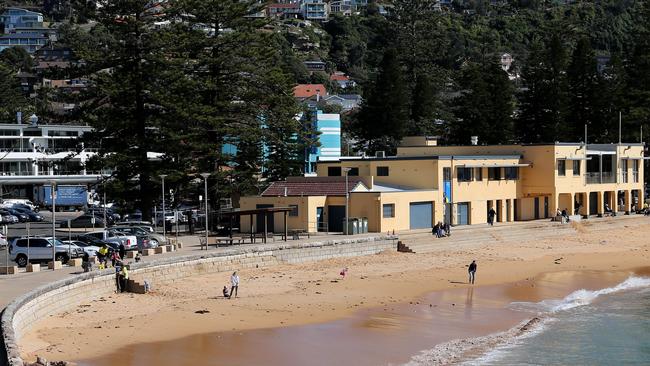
(292, 295)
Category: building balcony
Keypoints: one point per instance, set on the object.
(599, 178)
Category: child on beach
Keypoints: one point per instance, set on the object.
(225, 291)
(344, 271)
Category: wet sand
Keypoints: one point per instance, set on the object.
(290, 313)
(377, 336)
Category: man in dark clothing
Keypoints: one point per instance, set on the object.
(491, 214)
(472, 271)
(122, 251)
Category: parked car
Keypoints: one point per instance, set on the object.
(86, 247)
(20, 201)
(142, 224)
(3, 241)
(83, 221)
(22, 217)
(7, 217)
(130, 242)
(111, 216)
(93, 241)
(40, 250)
(23, 207)
(154, 239)
(135, 216)
(33, 216)
(74, 251)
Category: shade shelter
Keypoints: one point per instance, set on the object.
(265, 213)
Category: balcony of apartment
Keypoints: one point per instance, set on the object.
(601, 167)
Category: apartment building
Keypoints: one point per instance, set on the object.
(425, 183)
(35, 154)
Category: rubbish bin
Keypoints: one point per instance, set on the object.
(352, 226)
(364, 225)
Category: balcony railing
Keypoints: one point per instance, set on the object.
(597, 178)
(635, 177)
(624, 177)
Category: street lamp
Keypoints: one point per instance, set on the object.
(205, 179)
(162, 176)
(53, 191)
(346, 228)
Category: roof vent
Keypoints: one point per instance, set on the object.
(474, 140)
(380, 154)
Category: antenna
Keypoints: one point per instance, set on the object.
(641, 135)
(585, 134)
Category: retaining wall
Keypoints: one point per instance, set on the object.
(23, 313)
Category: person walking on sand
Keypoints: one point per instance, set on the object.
(234, 283)
(472, 271)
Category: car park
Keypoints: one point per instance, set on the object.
(91, 240)
(21, 216)
(33, 216)
(37, 249)
(86, 247)
(83, 221)
(130, 242)
(154, 240)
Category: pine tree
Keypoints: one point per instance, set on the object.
(124, 55)
(584, 89)
(638, 70)
(543, 102)
(382, 121)
(485, 106)
(425, 107)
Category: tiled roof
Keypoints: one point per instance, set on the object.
(308, 90)
(339, 77)
(312, 186)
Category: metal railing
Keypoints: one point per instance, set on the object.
(624, 177)
(598, 178)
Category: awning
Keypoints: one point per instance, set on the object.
(574, 158)
(599, 152)
(494, 165)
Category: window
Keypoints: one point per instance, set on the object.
(561, 168)
(353, 172)
(635, 170)
(294, 210)
(334, 171)
(389, 210)
(382, 171)
(446, 174)
(478, 176)
(576, 168)
(511, 173)
(464, 174)
(494, 173)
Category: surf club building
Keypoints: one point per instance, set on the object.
(425, 183)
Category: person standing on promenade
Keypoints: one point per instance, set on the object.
(491, 214)
(122, 251)
(234, 283)
(472, 271)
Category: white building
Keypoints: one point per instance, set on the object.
(33, 155)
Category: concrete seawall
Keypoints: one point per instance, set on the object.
(21, 314)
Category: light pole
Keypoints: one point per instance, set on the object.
(205, 179)
(162, 176)
(346, 228)
(53, 189)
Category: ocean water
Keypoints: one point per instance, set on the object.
(610, 326)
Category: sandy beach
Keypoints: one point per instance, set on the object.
(596, 256)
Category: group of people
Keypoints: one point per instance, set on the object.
(441, 230)
(104, 254)
(563, 215)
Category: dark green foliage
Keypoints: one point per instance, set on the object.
(485, 106)
(382, 121)
(544, 102)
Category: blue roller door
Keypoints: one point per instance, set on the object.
(421, 215)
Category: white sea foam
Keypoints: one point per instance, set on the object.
(488, 349)
(581, 297)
